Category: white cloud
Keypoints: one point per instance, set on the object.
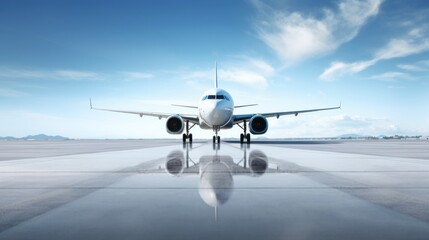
(419, 66)
(295, 37)
(260, 66)
(7, 92)
(331, 126)
(137, 75)
(340, 69)
(391, 76)
(410, 67)
(206, 74)
(424, 63)
(7, 72)
(73, 75)
(243, 76)
(243, 70)
(360, 125)
(395, 87)
(401, 47)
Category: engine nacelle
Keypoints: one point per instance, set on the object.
(175, 124)
(258, 124)
(258, 162)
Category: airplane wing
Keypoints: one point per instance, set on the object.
(245, 117)
(187, 117)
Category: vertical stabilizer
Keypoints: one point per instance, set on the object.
(216, 77)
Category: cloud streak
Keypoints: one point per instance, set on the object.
(391, 76)
(419, 66)
(137, 75)
(335, 125)
(410, 44)
(7, 92)
(295, 37)
(6, 72)
(247, 71)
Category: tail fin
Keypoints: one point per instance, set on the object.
(216, 86)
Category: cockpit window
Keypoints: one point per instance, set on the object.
(215, 97)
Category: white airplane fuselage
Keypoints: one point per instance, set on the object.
(216, 109)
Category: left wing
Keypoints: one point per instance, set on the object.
(244, 117)
(187, 117)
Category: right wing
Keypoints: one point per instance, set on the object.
(245, 117)
(187, 117)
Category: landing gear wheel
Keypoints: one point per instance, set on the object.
(218, 139)
(241, 138)
(190, 137)
(214, 139)
(184, 137)
(248, 138)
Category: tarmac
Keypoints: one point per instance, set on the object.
(163, 189)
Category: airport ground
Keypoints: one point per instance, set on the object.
(158, 189)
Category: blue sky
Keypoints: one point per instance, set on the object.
(371, 55)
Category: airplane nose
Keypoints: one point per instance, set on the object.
(218, 115)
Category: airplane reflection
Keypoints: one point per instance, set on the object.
(216, 172)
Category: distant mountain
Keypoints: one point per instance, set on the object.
(8, 138)
(36, 137)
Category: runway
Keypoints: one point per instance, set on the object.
(162, 189)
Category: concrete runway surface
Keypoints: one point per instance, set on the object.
(161, 189)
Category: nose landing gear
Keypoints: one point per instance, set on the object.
(216, 138)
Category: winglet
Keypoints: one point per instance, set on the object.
(216, 77)
(340, 104)
(90, 104)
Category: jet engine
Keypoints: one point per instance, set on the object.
(258, 124)
(175, 124)
(175, 163)
(258, 162)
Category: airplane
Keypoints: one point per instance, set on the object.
(215, 112)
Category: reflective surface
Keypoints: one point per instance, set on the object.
(201, 192)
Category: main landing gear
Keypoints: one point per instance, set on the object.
(187, 135)
(244, 135)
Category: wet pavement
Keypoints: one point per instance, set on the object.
(200, 191)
